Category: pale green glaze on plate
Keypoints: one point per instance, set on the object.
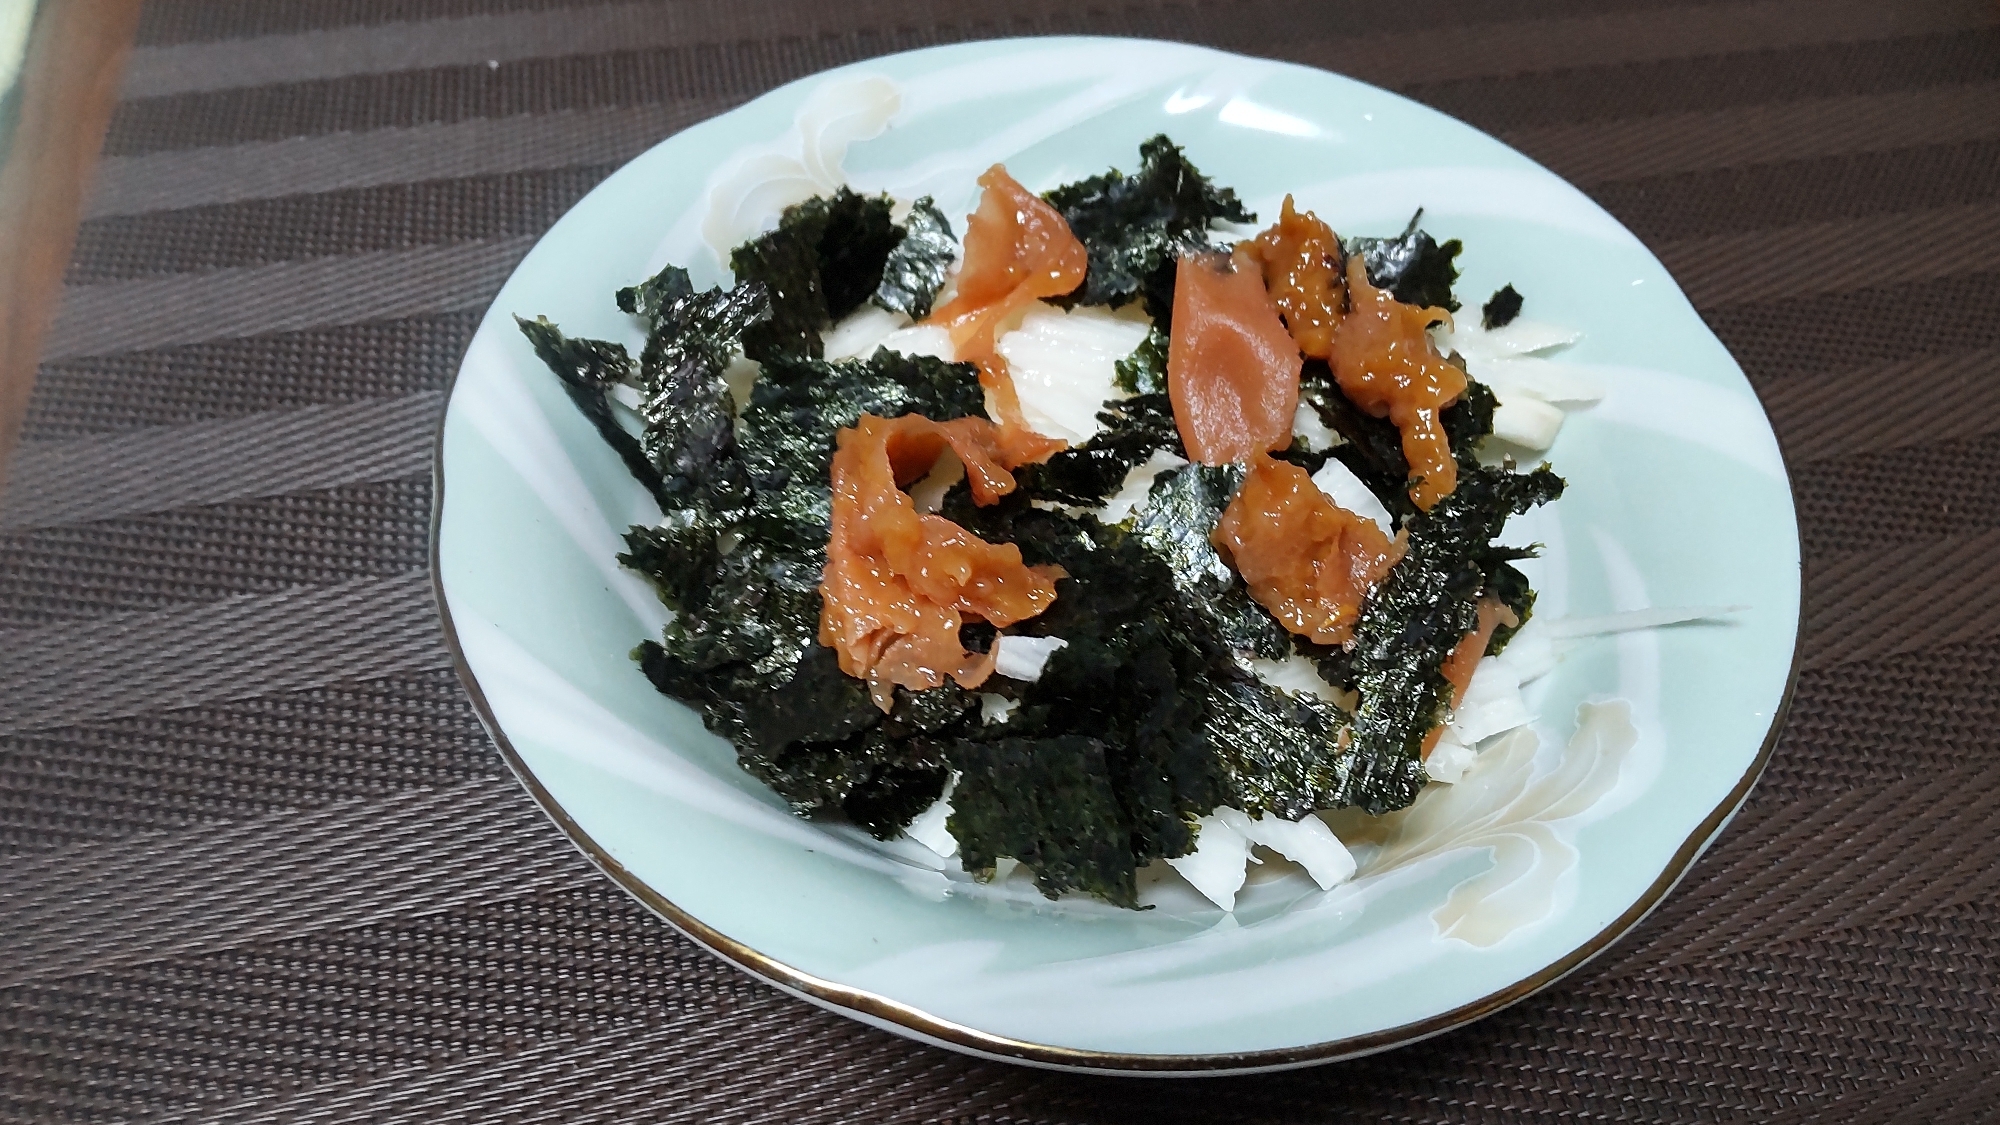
(1677, 498)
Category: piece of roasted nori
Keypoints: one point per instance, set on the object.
(1180, 515)
(813, 735)
(881, 771)
(871, 773)
(892, 794)
(1047, 802)
(1468, 420)
(1297, 454)
(886, 384)
(854, 249)
(678, 554)
(1162, 766)
(1144, 372)
(811, 702)
(826, 257)
(689, 433)
(759, 605)
(1413, 266)
(1134, 227)
(1281, 750)
(646, 299)
(786, 261)
(1130, 675)
(1501, 308)
(1151, 671)
(1413, 620)
(588, 368)
(916, 268)
(1134, 429)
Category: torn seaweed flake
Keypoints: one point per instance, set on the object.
(1130, 675)
(1468, 420)
(1413, 266)
(824, 259)
(1134, 227)
(1282, 750)
(1426, 605)
(678, 554)
(1511, 587)
(587, 369)
(1049, 803)
(1132, 678)
(647, 299)
(1144, 372)
(1179, 517)
(689, 433)
(917, 267)
(882, 773)
(1134, 429)
(1501, 308)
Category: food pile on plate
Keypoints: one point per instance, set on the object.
(1122, 531)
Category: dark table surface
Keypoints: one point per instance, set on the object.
(259, 862)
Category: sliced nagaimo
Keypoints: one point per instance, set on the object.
(1299, 674)
(1346, 490)
(1532, 392)
(1465, 659)
(1308, 428)
(1306, 841)
(929, 827)
(1218, 864)
(1023, 658)
(861, 332)
(867, 328)
(1220, 861)
(1064, 366)
(1493, 703)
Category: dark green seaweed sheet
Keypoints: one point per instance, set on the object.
(1135, 226)
(916, 268)
(1413, 266)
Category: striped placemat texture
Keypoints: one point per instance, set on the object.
(259, 863)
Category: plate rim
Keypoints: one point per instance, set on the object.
(907, 1020)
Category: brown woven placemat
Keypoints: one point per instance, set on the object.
(258, 861)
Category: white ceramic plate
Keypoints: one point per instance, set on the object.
(1493, 889)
